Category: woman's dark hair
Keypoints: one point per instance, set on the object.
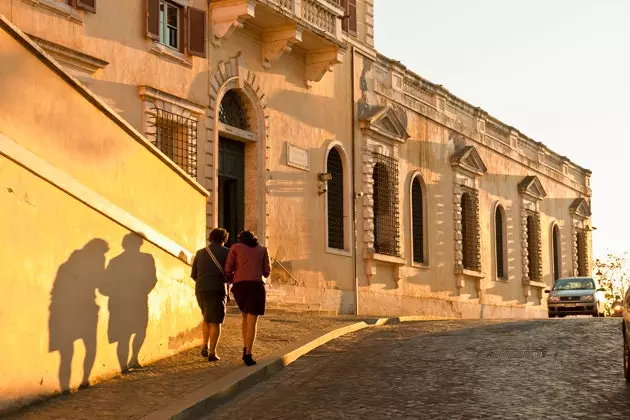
(248, 238)
(219, 235)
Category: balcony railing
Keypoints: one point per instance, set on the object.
(322, 14)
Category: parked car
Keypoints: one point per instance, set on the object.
(576, 296)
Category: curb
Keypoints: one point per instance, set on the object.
(201, 402)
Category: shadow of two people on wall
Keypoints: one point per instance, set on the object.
(127, 281)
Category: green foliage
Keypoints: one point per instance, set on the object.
(613, 274)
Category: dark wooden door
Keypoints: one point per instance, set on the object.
(231, 187)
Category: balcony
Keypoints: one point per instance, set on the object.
(310, 27)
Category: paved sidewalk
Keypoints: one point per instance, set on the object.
(165, 382)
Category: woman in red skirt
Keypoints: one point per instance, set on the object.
(248, 263)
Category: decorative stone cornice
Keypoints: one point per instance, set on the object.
(532, 188)
(228, 15)
(318, 63)
(383, 122)
(275, 43)
(468, 159)
(69, 58)
(580, 209)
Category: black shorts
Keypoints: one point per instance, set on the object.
(250, 296)
(212, 305)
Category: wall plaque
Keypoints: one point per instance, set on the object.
(298, 157)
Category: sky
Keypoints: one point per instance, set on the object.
(557, 70)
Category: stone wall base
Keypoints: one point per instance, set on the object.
(390, 305)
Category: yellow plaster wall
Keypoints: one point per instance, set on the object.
(48, 252)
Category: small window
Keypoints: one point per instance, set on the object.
(334, 167)
(170, 24)
(176, 137)
(232, 110)
(499, 240)
(417, 220)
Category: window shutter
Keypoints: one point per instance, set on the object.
(153, 19)
(344, 21)
(352, 20)
(87, 5)
(196, 32)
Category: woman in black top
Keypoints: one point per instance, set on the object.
(211, 289)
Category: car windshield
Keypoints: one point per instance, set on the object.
(574, 284)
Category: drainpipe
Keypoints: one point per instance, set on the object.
(354, 192)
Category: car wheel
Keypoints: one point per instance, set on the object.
(626, 359)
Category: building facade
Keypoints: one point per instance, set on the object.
(376, 191)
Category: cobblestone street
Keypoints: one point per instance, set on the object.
(551, 369)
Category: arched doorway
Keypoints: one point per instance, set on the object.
(236, 152)
(231, 167)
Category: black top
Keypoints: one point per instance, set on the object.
(206, 273)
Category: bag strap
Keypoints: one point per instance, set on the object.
(216, 262)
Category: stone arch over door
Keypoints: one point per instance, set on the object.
(233, 76)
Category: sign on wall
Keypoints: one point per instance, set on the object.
(298, 157)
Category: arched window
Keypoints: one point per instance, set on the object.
(469, 233)
(582, 253)
(556, 252)
(533, 231)
(500, 242)
(417, 221)
(334, 166)
(232, 110)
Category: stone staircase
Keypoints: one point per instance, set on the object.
(278, 302)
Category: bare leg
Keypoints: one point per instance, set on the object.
(215, 334)
(252, 323)
(244, 315)
(206, 333)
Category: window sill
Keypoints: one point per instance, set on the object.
(472, 273)
(421, 266)
(169, 54)
(61, 9)
(501, 279)
(341, 252)
(533, 283)
(385, 258)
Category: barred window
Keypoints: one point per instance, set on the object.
(533, 235)
(334, 166)
(556, 252)
(417, 220)
(499, 237)
(582, 253)
(232, 110)
(176, 137)
(470, 235)
(385, 196)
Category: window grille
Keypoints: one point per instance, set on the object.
(556, 253)
(176, 137)
(532, 248)
(385, 196)
(470, 242)
(417, 221)
(581, 253)
(232, 111)
(498, 230)
(334, 166)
